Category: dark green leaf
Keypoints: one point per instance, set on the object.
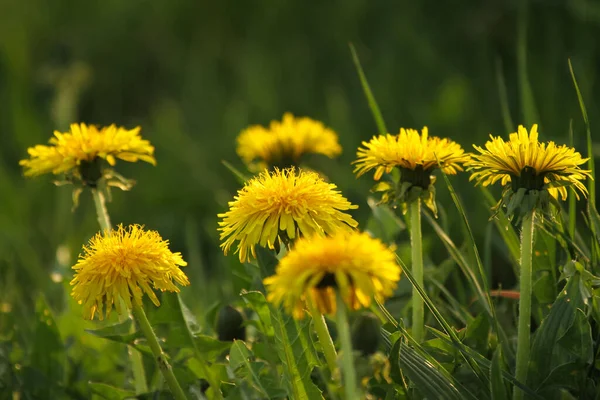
(110, 392)
(428, 380)
(497, 385)
(553, 327)
(118, 332)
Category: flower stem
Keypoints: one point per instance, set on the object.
(137, 364)
(416, 243)
(159, 355)
(349, 374)
(324, 337)
(100, 203)
(524, 328)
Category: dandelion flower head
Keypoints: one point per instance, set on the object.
(78, 151)
(528, 167)
(125, 263)
(359, 266)
(285, 142)
(416, 155)
(279, 206)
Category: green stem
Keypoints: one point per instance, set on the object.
(159, 355)
(324, 336)
(349, 374)
(523, 339)
(416, 243)
(100, 203)
(137, 364)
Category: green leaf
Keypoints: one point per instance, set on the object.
(368, 93)
(110, 392)
(497, 385)
(241, 364)
(477, 334)
(210, 347)
(291, 353)
(120, 332)
(259, 304)
(428, 380)
(384, 222)
(578, 339)
(560, 319)
(564, 376)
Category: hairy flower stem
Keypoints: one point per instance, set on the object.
(159, 355)
(101, 211)
(349, 374)
(324, 337)
(416, 243)
(137, 364)
(524, 328)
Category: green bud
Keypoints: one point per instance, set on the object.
(230, 325)
(366, 333)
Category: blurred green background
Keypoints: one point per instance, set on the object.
(192, 74)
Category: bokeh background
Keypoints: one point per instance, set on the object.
(192, 74)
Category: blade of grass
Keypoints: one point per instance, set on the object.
(485, 363)
(572, 198)
(506, 230)
(591, 182)
(483, 281)
(506, 117)
(591, 166)
(368, 93)
(484, 380)
(236, 172)
(527, 102)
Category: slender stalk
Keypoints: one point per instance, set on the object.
(159, 355)
(137, 364)
(523, 336)
(416, 243)
(349, 374)
(100, 203)
(324, 337)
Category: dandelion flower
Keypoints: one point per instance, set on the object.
(360, 267)
(284, 143)
(125, 263)
(416, 156)
(279, 206)
(532, 173)
(79, 152)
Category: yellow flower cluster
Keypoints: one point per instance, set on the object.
(284, 143)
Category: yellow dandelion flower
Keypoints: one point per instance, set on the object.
(280, 205)
(416, 156)
(125, 263)
(359, 266)
(78, 151)
(284, 143)
(527, 167)
(409, 150)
